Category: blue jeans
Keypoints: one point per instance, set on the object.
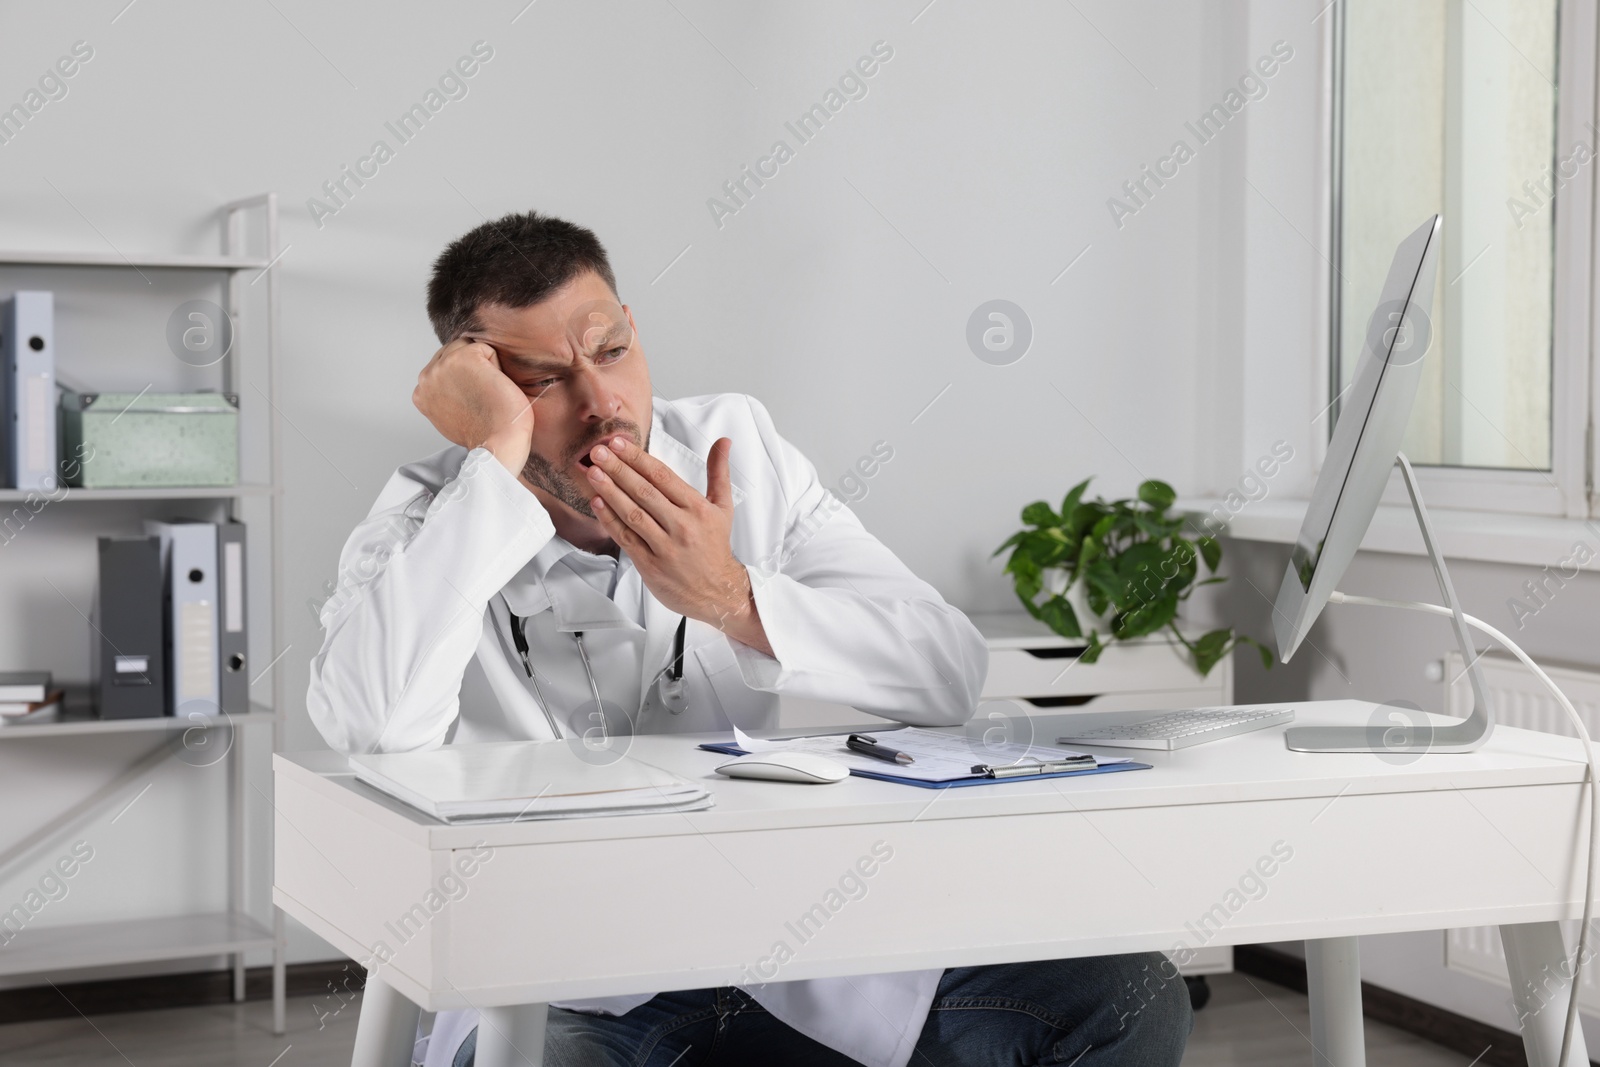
(1096, 1011)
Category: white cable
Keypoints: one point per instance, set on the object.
(1594, 777)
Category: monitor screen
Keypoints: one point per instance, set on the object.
(1373, 413)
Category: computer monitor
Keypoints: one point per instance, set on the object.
(1373, 414)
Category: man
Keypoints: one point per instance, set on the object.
(535, 580)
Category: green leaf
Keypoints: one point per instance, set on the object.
(1103, 526)
(1210, 648)
(1101, 577)
(1145, 618)
(1059, 616)
(1092, 653)
(1210, 551)
(1266, 653)
(1038, 513)
(1089, 551)
(1043, 548)
(1142, 556)
(1028, 577)
(1013, 539)
(1181, 566)
(1141, 572)
(1152, 527)
(1157, 494)
(1083, 516)
(1075, 494)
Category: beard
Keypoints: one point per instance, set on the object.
(555, 480)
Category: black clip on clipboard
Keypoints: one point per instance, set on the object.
(1034, 768)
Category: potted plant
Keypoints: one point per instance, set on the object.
(1123, 566)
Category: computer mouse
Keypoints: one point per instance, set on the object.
(786, 767)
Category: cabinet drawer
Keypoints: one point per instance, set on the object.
(1195, 696)
(1053, 671)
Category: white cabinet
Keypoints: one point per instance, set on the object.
(1031, 663)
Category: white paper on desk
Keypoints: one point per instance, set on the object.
(754, 744)
(939, 756)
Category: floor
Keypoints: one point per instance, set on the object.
(1247, 1022)
(1250, 1021)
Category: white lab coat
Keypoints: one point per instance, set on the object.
(417, 650)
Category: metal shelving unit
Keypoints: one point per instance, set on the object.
(209, 492)
(233, 932)
(80, 720)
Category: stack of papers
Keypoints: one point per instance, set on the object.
(504, 781)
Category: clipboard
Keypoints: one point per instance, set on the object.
(731, 749)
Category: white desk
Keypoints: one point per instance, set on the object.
(1015, 871)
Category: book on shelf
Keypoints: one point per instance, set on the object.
(28, 390)
(14, 712)
(24, 686)
(127, 655)
(172, 622)
(189, 580)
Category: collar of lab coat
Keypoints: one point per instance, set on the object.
(576, 604)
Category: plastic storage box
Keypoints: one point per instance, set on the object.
(134, 440)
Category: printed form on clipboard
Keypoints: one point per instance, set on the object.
(939, 758)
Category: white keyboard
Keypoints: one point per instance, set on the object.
(1180, 729)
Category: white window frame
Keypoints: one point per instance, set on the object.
(1567, 489)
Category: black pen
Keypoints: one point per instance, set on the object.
(868, 746)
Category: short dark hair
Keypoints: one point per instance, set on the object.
(517, 261)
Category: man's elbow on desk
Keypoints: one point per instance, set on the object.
(952, 704)
(964, 671)
(940, 713)
(348, 727)
(946, 695)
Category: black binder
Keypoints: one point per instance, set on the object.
(128, 639)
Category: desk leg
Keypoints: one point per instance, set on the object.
(386, 1032)
(1537, 957)
(1333, 980)
(511, 1037)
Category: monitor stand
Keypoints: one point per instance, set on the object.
(1455, 735)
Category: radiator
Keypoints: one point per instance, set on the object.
(1520, 700)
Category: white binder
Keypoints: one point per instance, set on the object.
(28, 349)
(233, 639)
(189, 575)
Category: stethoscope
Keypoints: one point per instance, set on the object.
(674, 691)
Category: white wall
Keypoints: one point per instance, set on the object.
(977, 167)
